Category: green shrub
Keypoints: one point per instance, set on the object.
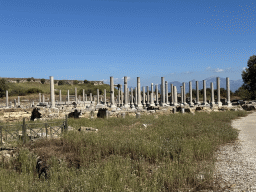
(42, 81)
(34, 90)
(75, 82)
(61, 82)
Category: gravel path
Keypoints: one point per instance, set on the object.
(236, 163)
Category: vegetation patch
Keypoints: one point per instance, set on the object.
(167, 153)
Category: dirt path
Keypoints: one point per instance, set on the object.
(236, 163)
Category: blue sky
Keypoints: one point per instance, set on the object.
(180, 40)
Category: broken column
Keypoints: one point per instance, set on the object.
(39, 97)
(42, 99)
(136, 97)
(148, 96)
(157, 103)
(139, 93)
(91, 97)
(98, 96)
(162, 92)
(122, 97)
(52, 92)
(18, 100)
(105, 97)
(197, 93)
(83, 95)
(190, 94)
(119, 95)
(60, 96)
(184, 94)
(143, 95)
(68, 96)
(6, 98)
(228, 92)
(112, 95)
(75, 94)
(15, 103)
(212, 95)
(166, 93)
(218, 92)
(204, 88)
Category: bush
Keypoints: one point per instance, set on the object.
(28, 79)
(34, 90)
(86, 82)
(18, 92)
(75, 82)
(42, 81)
(17, 80)
(3, 87)
(61, 82)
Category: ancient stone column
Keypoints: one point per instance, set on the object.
(122, 96)
(175, 100)
(52, 92)
(197, 93)
(190, 94)
(156, 87)
(112, 95)
(60, 96)
(218, 92)
(204, 84)
(15, 103)
(6, 98)
(68, 96)
(42, 99)
(143, 95)
(162, 92)
(18, 100)
(131, 98)
(105, 97)
(212, 95)
(181, 93)
(228, 92)
(98, 96)
(136, 97)
(75, 94)
(148, 96)
(139, 93)
(152, 98)
(125, 93)
(39, 97)
(119, 95)
(83, 95)
(91, 97)
(166, 93)
(184, 94)
(172, 95)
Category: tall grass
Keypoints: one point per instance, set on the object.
(152, 153)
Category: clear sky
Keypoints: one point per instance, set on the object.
(180, 40)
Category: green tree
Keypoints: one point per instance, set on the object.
(86, 82)
(249, 77)
(3, 87)
(75, 82)
(61, 82)
(28, 79)
(42, 81)
(17, 80)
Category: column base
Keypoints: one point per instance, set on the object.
(229, 104)
(219, 104)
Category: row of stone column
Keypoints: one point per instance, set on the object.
(164, 94)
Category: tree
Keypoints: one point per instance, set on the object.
(249, 77)
(61, 82)
(75, 82)
(86, 82)
(3, 87)
(28, 79)
(17, 80)
(42, 81)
